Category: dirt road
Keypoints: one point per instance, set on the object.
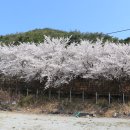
(18, 121)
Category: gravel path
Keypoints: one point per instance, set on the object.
(17, 121)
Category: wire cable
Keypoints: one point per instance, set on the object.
(119, 31)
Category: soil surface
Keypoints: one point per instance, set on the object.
(19, 121)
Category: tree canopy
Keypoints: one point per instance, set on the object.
(55, 62)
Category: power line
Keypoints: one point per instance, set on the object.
(119, 31)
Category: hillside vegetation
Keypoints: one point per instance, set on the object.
(37, 36)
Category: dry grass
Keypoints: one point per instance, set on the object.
(4, 95)
(44, 105)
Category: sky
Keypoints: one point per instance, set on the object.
(69, 15)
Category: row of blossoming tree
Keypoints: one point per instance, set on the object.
(56, 63)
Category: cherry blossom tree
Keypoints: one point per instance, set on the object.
(56, 63)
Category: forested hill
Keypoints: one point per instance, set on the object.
(37, 36)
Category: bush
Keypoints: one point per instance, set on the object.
(102, 103)
(25, 101)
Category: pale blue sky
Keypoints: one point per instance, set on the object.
(83, 15)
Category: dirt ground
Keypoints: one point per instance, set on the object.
(20, 121)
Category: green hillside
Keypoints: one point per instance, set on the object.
(37, 36)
